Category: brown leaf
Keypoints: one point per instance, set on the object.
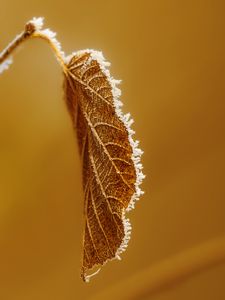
(110, 157)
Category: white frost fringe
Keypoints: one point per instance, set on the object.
(5, 65)
(37, 22)
(48, 34)
(136, 155)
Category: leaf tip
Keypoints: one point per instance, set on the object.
(86, 278)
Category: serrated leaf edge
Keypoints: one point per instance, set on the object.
(136, 152)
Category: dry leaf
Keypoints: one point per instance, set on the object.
(110, 157)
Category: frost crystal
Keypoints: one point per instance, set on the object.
(37, 22)
(5, 65)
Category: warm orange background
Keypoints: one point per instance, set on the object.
(171, 57)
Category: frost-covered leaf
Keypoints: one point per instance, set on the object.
(110, 157)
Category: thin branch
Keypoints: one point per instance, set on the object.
(32, 30)
(19, 39)
(49, 36)
(168, 273)
(29, 29)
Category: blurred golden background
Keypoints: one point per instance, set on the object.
(171, 58)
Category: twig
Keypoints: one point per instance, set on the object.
(19, 39)
(33, 30)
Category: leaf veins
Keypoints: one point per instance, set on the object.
(108, 162)
(110, 158)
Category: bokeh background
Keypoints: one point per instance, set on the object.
(171, 58)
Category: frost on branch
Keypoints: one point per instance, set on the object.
(5, 65)
(37, 22)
